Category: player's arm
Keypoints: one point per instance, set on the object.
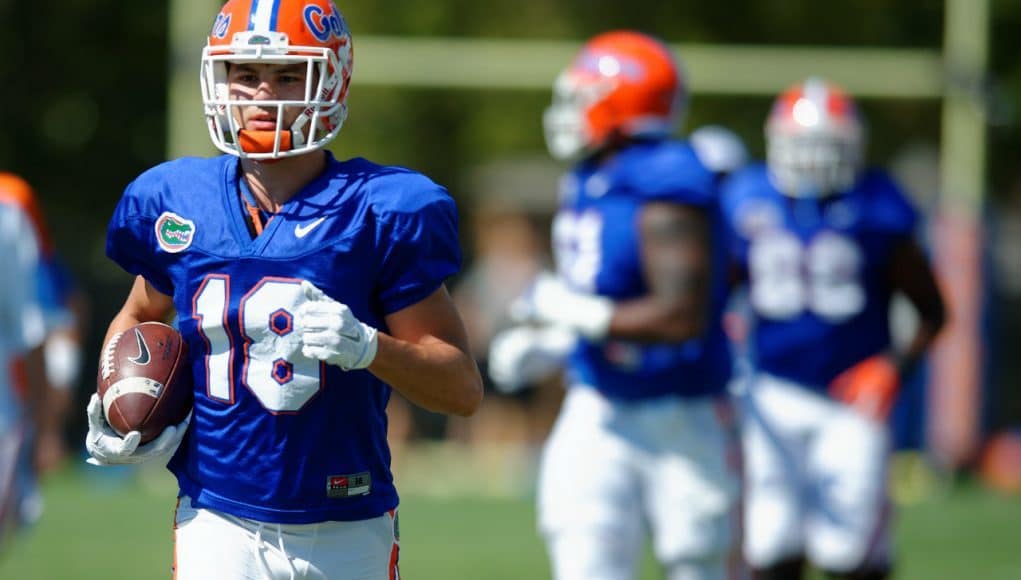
(910, 274)
(426, 357)
(675, 261)
(871, 385)
(675, 242)
(143, 304)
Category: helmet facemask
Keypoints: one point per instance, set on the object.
(323, 108)
(568, 133)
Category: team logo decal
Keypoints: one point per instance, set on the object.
(323, 25)
(174, 233)
(221, 26)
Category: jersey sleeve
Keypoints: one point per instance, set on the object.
(676, 175)
(131, 238)
(422, 250)
(892, 212)
(22, 320)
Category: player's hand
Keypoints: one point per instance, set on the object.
(550, 301)
(870, 387)
(106, 447)
(331, 333)
(525, 355)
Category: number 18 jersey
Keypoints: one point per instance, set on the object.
(817, 271)
(276, 436)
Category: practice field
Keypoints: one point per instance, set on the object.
(115, 524)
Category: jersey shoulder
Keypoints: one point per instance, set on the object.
(748, 186)
(887, 206)
(664, 170)
(184, 184)
(391, 189)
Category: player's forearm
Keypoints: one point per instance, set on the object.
(928, 329)
(38, 389)
(654, 321)
(144, 304)
(433, 374)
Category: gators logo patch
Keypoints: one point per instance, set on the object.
(174, 233)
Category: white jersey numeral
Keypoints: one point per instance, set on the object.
(577, 246)
(273, 368)
(822, 277)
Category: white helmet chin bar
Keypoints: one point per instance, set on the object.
(322, 113)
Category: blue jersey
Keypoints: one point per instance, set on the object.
(276, 436)
(817, 271)
(597, 249)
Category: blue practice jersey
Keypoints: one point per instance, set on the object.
(818, 281)
(276, 436)
(597, 249)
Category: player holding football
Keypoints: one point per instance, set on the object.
(306, 288)
(822, 245)
(641, 441)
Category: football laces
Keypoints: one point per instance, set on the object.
(107, 366)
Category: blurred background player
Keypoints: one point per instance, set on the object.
(30, 430)
(306, 289)
(822, 246)
(64, 311)
(640, 443)
(718, 148)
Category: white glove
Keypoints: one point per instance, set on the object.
(550, 301)
(331, 333)
(106, 447)
(523, 355)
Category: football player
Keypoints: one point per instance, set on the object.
(306, 288)
(641, 440)
(822, 244)
(29, 431)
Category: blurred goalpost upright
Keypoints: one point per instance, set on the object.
(954, 75)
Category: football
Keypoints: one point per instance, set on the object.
(145, 381)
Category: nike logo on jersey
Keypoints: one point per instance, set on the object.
(143, 351)
(300, 231)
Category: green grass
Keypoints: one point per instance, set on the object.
(117, 525)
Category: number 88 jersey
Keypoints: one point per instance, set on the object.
(816, 270)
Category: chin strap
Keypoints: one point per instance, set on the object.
(262, 141)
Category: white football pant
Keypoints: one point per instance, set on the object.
(613, 471)
(816, 479)
(211, 544)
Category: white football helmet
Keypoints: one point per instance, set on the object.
(815, 140)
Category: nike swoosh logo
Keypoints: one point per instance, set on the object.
(356, 337)
(143, 351)
(300, 231)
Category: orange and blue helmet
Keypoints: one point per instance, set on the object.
(815, 140)
(621, 84)
(310, 32)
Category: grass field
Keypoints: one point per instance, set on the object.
(115, 524)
